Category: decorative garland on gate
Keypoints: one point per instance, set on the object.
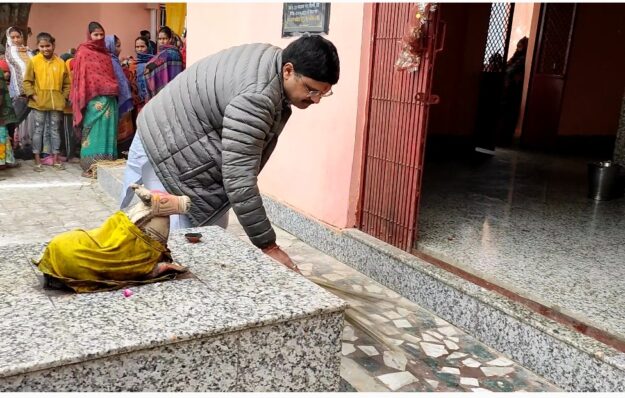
(415, 41)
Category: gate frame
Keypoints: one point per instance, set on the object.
(425, 98)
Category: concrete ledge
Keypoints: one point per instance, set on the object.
(569, 359)
(238, 323)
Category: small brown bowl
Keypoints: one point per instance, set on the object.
(193, 237)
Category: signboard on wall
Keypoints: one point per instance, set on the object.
(300, 18)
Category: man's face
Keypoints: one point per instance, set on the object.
(16, 38)
(301, 90)
(46, 48)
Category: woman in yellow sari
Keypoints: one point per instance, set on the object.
(127, 249)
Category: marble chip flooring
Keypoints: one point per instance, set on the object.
(525, 223)
(417, 351)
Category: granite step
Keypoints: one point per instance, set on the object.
(234, 323)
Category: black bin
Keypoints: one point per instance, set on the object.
(602, 178)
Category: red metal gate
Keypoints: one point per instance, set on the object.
(396, 130)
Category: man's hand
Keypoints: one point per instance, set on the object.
(280, 256)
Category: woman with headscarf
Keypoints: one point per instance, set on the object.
(94, 99)
(165, 65)
(125, 127)
(137, 69)
(17, 56)
(134, 69)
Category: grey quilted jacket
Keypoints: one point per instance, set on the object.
(211, 130)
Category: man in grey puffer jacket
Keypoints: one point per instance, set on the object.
(211, 130)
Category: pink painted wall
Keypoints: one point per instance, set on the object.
(364, 87)
(311, 168)
(67, 22)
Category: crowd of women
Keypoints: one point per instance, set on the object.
(80, 106)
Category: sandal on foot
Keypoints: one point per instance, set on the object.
(38, 168)
(87, 174)
(59, 166)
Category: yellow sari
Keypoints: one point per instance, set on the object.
(112, 256)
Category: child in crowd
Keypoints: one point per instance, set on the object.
(47, 85)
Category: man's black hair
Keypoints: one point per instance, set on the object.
(144, 33)
(313, 57)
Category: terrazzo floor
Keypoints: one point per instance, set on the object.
(524, 222)
(410, 348)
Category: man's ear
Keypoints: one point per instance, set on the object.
(288, 70)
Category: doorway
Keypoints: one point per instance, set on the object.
(520, 218)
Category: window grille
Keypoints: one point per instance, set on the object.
(498, 36)
(557, 23)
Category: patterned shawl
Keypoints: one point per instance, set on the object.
(17, 58)
(124, 98)
(92, 76)
(163, 68)
(142, 84)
